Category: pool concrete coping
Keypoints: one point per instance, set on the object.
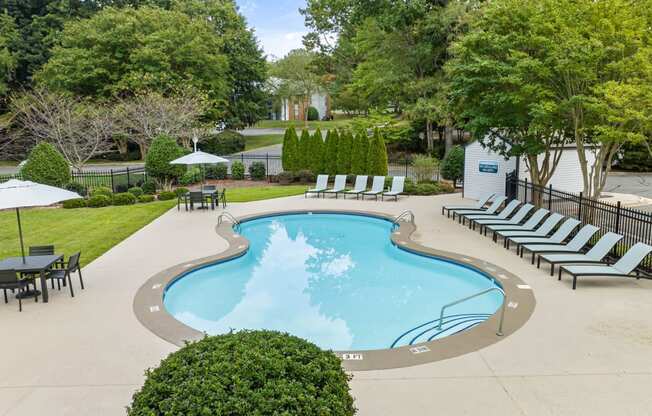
(150, 311)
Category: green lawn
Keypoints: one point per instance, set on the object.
(262, 192)
(323, 125)
(255, 142)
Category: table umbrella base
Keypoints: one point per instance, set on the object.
(28, 294)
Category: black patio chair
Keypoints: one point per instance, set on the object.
(63, 275)
(196, 197)
(9, 280)
(222, 197)
(44, 251)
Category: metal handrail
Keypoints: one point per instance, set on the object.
(229, 217)
(403, 214)
(502, 308)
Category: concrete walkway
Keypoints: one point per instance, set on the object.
(583, 352)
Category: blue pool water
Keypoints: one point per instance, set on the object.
(334, 279)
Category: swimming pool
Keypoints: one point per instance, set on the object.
(334, 279)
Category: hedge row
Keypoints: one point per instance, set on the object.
(103, 197)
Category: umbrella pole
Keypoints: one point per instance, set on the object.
(20, 233)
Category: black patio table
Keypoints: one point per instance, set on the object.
(213, 195)
(32, 264)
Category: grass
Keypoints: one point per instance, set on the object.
(93, 231)
(259, 193)
(255, 142)
(324, 125)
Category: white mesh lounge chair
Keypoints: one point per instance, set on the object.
(479, 205)
(320, 186)
(622, 268)
(339, 186)
(398, 182)
(503, 215)
(557, 237)
(376, 187)
(530, 225)
(574, 245)
(495, 204)
(515, 220)
(594, 255)
(546, 228)
(359, 187)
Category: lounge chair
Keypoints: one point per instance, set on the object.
(515, 220)
(594, 255)
(503, 215)
(546, 228)
(530, 225)
(339, 186)
(359, 187)
(9, 280)
(479, 205)
(398, 182)
(574, 245)
(490, 210)
(557, 237)
(376, 187)
(622, 268)
(320, 186)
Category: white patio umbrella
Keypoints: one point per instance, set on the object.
(15, 194)
(199, 158)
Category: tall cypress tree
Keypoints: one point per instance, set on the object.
(344, 150)
(331, 152)
(317, 153)
(304, 151)
(360, 150)
(291, 150)
(377, 155)
(285, 152)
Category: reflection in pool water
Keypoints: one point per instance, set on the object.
(333, 279)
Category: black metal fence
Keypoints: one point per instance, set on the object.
(119, 180)
(634, 225)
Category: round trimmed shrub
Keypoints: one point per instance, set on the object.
(305, 176)
(246, 373)
(146, 198)
(149, 187)
(285, 178)
(135, 191)
(77, 187)
(219, 171)
(224, 143)
(124, 198)
(237, 170)
(179, 192)
(98, 201)
(74, 203)
(163, 150)
(47, 166)
(166, 196)
(313, 114)
(102, 190)
(257, 171)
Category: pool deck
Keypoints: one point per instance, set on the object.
(583, 352)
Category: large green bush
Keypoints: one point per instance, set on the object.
(313, 114)
(191, 175)
(303, 155)
(344, 150)
(145, 198)
(452, 168)
(257, 171)
(246, 373)
(219, 171)
(124, 198)
(290, 150)
(166, 196)
(47, 166)
(359, 154)
(102, 190)
(74, 203)
(98, 201)
(330, 158)
(149, 187)
(317, 152)
(377, 155)
(135, 191)
(224, 143)
(163, 150)
(237, 170)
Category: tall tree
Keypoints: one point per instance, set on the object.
(317, 152)
(332, 145)
(360, 154)
(290, 151)
(344, 152)
(8, 59)
(377, 156)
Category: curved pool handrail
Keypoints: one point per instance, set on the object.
(403, 214)
(229, 216)
(475, 295)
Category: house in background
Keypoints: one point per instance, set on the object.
(293, 108)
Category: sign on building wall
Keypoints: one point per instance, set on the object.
(488, 166)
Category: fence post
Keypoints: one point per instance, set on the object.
(406, 168)
(579, 209)
(128, 179)
(242, 158)
(550, 197)
(618, 217)
(267, 168)
(112, 184)
(525, 187)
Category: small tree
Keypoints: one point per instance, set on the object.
(377, 155)
(452, 168)
(344, 150)
(290, 151)
(47, 166)
(317, 152)
(331, 152)
(425, 167)
(303, 157)
(360, 151)
(285, 150)
(163, 150)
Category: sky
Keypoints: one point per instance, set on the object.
(278, 25)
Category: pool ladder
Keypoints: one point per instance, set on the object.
(402, 215)
(475, 295)
(228, 216)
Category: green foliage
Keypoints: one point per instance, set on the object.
(135, 191)
(313, 114)
(305, 176)
(77, 187)
(359, 154)
(124, 198)
(179, 192)
(317, 150)
(425, 167)
(237, 170)
(47, 166)
(74, 203)
(377, 156)
(102, 190)
(143, 199)
(636, 157)
(332, 145)
(290, 150)
(286, 177)
(246, 373)
(344, 152)
(149, 187)
(98, 201)
(303, 155)
(452, 168)
(219, 171)
(224, 143)
(296, 75)
(257, 171)
(163, 150)
(8, 53)
(166, 196)
(192, 175)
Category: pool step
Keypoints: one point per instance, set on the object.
(430, 330)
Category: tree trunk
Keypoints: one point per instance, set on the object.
(429, 136)
(143, 150)
(448, 135)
